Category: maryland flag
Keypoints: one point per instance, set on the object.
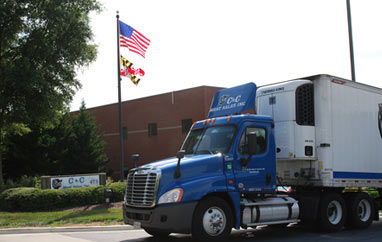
(128, 70)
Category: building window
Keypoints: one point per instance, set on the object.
(124, 133)
(153, 131)
(186, 125)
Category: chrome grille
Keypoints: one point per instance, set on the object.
(142, 186)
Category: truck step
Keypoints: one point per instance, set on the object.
(265, 203)
(274, 222)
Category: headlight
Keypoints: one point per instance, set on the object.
(172, 196)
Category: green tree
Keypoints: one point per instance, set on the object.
(42, 42)
(85, 146)
(73, 146)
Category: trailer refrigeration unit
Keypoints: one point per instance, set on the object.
(321, 135)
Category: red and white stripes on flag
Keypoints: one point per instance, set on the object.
(132, 39)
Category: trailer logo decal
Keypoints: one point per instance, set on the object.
(279, 89)
(338, 81)
(380, 119)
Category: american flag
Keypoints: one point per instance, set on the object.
(132, 39)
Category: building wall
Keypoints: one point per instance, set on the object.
(166, 110)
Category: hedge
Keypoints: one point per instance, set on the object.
(34, 199)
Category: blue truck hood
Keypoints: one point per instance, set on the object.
(196, 161)
(192, 168)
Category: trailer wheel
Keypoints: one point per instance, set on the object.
(361, 210)
(212, 220)
(332, 212)
(156, 233)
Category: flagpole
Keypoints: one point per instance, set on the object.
(119, 103)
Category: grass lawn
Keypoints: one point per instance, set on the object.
(61, 218)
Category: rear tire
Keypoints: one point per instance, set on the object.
(332, 212)
(212, 220)
(361, 210)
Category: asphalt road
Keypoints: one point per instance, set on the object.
(290, 233)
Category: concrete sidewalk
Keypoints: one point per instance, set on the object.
(27, 230)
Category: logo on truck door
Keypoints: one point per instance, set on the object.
(380, 119)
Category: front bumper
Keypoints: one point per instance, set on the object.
(173, 218)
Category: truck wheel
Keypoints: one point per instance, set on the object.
(212, 220)
(332, 212)
(360, 208)
(156, 233)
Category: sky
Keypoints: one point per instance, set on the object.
(226, 43)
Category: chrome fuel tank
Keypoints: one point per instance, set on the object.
(271, 210)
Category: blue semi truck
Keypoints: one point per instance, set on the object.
(304, 135)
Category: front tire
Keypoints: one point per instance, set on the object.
(212, 220)
(361, 210)
(332, 212)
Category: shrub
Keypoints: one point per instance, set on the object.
(34, 199)
(24, 181)
(118, 191)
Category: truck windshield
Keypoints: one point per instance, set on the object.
(209, 140)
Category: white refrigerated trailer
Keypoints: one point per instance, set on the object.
(327, 131)
(328, 138)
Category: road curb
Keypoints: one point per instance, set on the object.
(28, 230)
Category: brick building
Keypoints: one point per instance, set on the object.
(153, 127)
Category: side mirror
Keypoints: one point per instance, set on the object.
(252, 143)
(251, 146)
(135, 159)
(180, 154)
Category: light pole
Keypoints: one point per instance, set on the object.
(350, 41)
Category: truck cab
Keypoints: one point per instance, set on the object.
(218, 162)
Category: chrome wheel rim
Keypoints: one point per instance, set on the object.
(214, 221)
(334, 212)
(364, 210)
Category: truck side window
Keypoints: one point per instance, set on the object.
(261, 140)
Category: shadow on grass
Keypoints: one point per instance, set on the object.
(97, 206)
(95, 215)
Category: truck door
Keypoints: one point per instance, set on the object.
(258, 175)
